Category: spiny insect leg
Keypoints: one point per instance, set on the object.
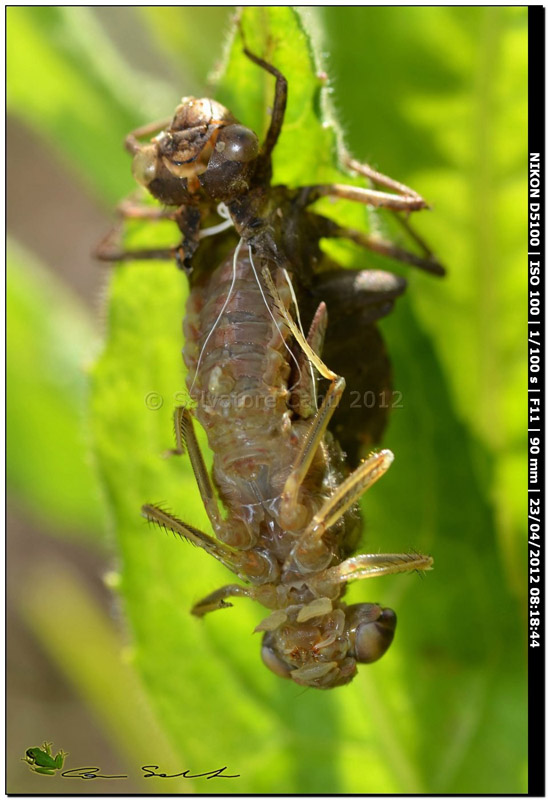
(307, 449)
(247, 564)
(412, 233)
(303, 399)
(371, 566)
(132, 143)
(217, 599)
(232, 559)
(186, 440)
(369, 197)
(380, 179)
(389, 183)
(318, 426)
(110, 248)
(348, 493)
(387, 248)
(132, 209)
(107, 250)
(278, 110)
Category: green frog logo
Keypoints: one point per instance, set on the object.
(41, 759)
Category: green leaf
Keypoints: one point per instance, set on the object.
(190, 34)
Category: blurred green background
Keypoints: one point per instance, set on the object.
(104, 658)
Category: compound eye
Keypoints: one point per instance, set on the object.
(237, 143)
(374, 638)
(274, 662)
(145, 164)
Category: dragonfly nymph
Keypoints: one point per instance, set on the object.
(255, 326)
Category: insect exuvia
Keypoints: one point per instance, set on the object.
(255, 324)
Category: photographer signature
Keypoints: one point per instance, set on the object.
(42, 761)
(89, 773)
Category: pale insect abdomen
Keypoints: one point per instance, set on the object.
(238, 362)
(237, 371)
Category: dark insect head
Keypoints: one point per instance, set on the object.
(204, 148)
(325, 652)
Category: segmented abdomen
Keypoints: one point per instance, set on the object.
(238, 369)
